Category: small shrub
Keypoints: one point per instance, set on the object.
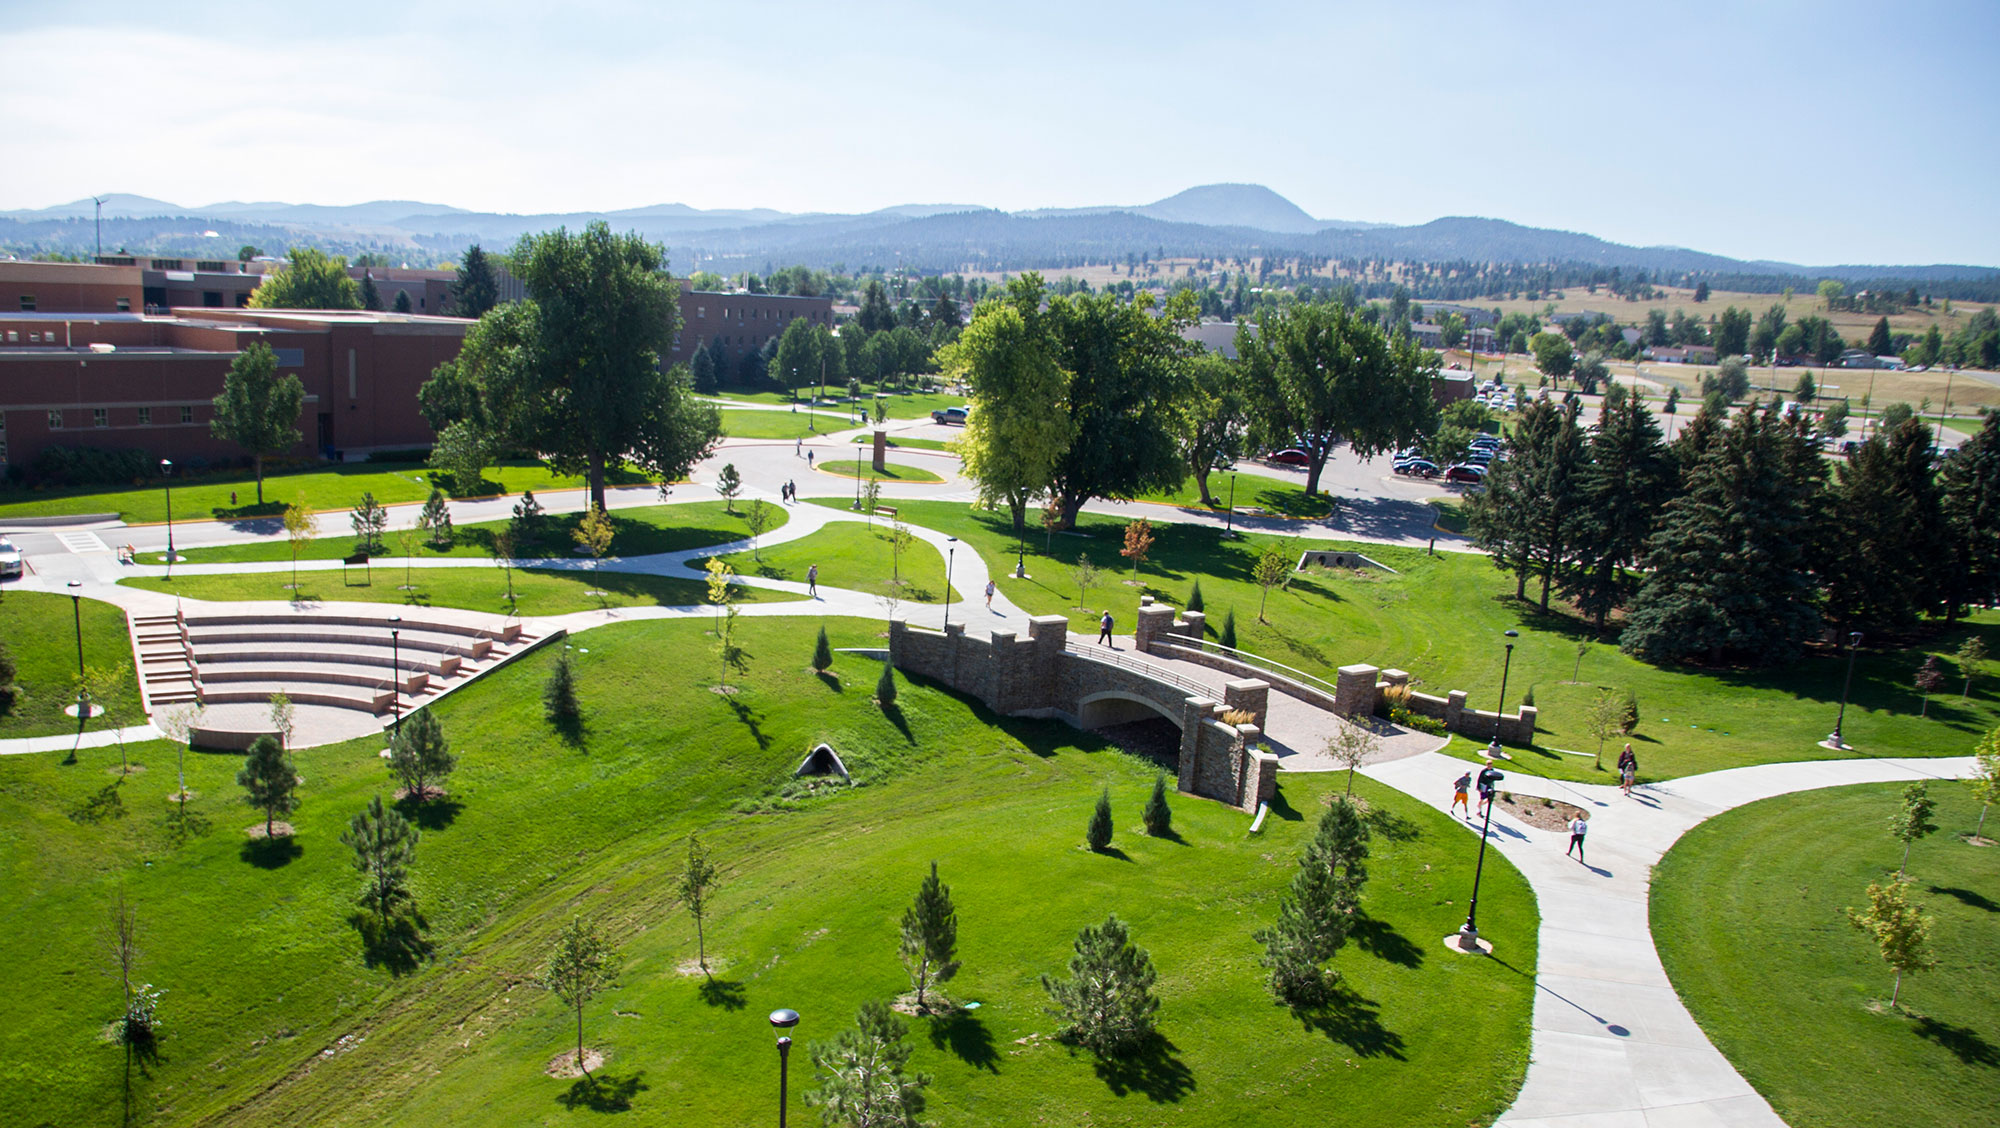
(822, 653)
(1527, 698)
(1394, 697)
(1098, 834)
(1158, 817)
(1194, 597)
(559, 693)
(885, 687)
(1228, 636)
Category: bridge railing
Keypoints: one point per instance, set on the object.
(1148, 669)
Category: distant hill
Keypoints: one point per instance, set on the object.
(1233, 205)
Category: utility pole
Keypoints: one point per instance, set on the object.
(99, 201)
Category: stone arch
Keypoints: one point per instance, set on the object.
(1117, 706)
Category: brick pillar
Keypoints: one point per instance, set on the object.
(1050, 635)
(881, 450)
(1354, 692)
(1156, 621)
(1395, 677)
(954, 633)
(1011, 672)
(1521, 729)
(1454, 710)
(1241, 772)
(1264, 765)
(898, 627)
(1194, 711)
(1252, 695)
(1192, 628)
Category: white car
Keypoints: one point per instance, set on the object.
(10, 560)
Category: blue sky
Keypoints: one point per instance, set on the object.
(1817, 133)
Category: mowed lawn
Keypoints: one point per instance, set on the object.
(852, 555)
(902, 405)
(1441, 617)
(1749, 914)
(274, 1015)
(890, 472)
(744, 424)
(40, 632)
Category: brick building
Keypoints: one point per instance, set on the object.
(742, 323)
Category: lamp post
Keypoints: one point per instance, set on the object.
(1853, 646)
(1505, 666)
(1229, 517)
(167, 481)
(1467, 940)
(99, 201)
(76, 607)
(950, 548)
(396, 670)
(783, 1021)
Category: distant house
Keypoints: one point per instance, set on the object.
(1632, 336)
(1681, 354)
(1450, 387)
(1428, 335)
(1862, 358)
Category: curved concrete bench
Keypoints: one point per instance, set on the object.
(302, 634)
(351, 654)
(508, 633)
(258, 693)
(310, 673)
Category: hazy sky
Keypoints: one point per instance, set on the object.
(1816, 133)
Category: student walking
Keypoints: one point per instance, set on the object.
(812, 581)
(792, 490)
(1460, 788)
(1578, 827)
(809, 460)
(1628, 769)
(1489, 781)
(799, 447)
(990, 589)
(1104, 630)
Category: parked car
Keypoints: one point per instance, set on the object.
(1465, 472)
(1290, 456)
(1478, 457)
(951, 415)
(10, 560)
(1491, 442)
(1416, 468)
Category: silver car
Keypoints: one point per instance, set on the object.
(10, 560)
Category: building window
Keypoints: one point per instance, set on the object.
(207, 266)
(145, 417)
(212, 299)
(3, 452)
(124, 305)
(701, 311)
(27, 303)
(55, 419)
(187, 414)
(99, 417)
(166, 264)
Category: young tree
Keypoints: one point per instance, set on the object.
(929, 944)
(594, 532)
(1158, 817)
(310, 279)
(139, 1023)
(503, 559)
(1350, 746)
(269, 781)
(369, 520)
(698, 881)
(822, 658)
(384, 845)
(258, 409)
(1985, 778)
(885, 687)
(475, 290)
(435, 519)
(1098, 834)
(559, 703)
(729, 484)
(1315, 920)
(301, 526)
(1913, 821)
(900, 540)
(1086, 576)
(1901, 930)
(1971, 660)
(371, 295)
(529, 519)
(462, 453)
(1138, 542)
(758, 516)
(1194, 596)
(1929, 679)
(581, 965)
(1227, 637)
(722, 597)
(406, 543)
(871, 496)
(418, 756)
(8, 673)
(1272, 570)
(1107, 1004)
(283, 717)
(860, 1074)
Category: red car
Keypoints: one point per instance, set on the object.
(1466, 473)
(1290, 456)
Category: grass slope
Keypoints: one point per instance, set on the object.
(274, 1016)
(1441, 618)
(538, 592)
(40, 633)
(851, 556)
(1253, 491)
(742, 424)
(1749, 913)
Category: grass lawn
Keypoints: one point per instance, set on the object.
(852, 556)
(1440, 618)
(1253, 492)
(635, 532)
(1749, 913)
(274, 1015)
(539, 592)
(890, 472)
(781, 424)
(913, 444)
(331, 487)
(902, 405)
(39, 631)
(1450, 514)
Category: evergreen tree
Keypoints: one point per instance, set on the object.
(930, 938)
(528, 519)
(269, 781)
(418, 756)
(1158, 817)
(728, 483)
(1529, 514)
(403, 303)
(559, 703)
(1228, 636)
(371, 296)
(1628, 478)
(369, 520)
(1194, 597)
(580, 966)
(860, 1074)
(1730, 565)
(435, 519)
(1315, 920)
(885, 687)
(1098, 833)
(822, 653)
(1884, 501)
(1879, 342)
(702, 368)
(875, 316)
(475, 290)
(1107, 1004)
(384, 845)
(1969, 506)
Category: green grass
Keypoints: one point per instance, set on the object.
(635, 532)
(1450, 515)
(913, 444)
(40, 632)
(476, 589)
(781, 424)
(890, 472)
(332, 487)
(272, 1015)
(902, 405)
(852, 556)
(1749, 914)
(1441, 619)
(1252, 492)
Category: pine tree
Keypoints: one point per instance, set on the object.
(475, 290)
(1228, 636)
(1194, 597)
(384, 845)
(1098, 833)
(1158, 817)
(1315, 920)
(435, 519)
(269, 781)
(418, 756)
(528, 520)
(1969, 507)
(559, 703)
(930, 938)
(1620, 491)
(369, 520)
(1107, 1004)
(885, 687)
(697, 883)
(403, 303)
(822, 653)
(1878, 339)
(728, 483)
(702, 370)
(371, 295)
(860, 1074)
(580, 966)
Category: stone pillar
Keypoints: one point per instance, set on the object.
(1194, 711)
(1250, 695)
(1240, 772)
(1395, 677)
(881, 450)
(954, 633)
(898, 627)
(1010, 672)
(1521, 728)
(1454, 710)
(1050, 636)
(1354, 693)
(1264, 768)
(1156, 621)
(1192, 628)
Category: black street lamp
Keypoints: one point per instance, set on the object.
(1467, 940)
(1229, 519)
(783, 1021)
(1853, 645)
(166, 480)
(951, 547)
(76, 606)
(396, 670)
(1505, 666)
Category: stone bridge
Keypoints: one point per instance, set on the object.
(1040, 676)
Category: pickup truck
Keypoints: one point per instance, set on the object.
(950, 415)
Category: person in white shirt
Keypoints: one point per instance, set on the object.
(1578, 827)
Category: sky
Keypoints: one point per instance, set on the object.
(1815, 133)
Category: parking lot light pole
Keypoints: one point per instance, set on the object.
(783, 1021)
(1501, 708)
(166, 480)
(1853, 646)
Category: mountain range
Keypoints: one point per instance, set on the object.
(1215, 220)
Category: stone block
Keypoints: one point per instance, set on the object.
(1155, 624)
(1250, 695)
(1354, 691)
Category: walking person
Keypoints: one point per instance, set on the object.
(799, 447)
(1489, 781)
(990, 589)
(809, 460)
(1578, 827)
(1104, 630)
(1628, 769)
(812, 581)
(792, 489)
(1460, 788)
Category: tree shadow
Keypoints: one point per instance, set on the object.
(894, 713)
(1150, 1068)
(831, 680)
(104, 803)
(1113, 852)
(1354, 1022)
(431, 814)
(748, 718)
(724, 993)
(1965, 1043)
(1283, 809)
(1170, 835)
(1975, 900)
(572, 731)
(183, 824)
(967, 1038)
(397, 944)
(605, 1092)
(1380, 939)
(1391, 826)
(271, 853)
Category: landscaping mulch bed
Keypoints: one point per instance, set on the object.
(1542, 814)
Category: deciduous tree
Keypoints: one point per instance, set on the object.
(301, 526)
(1214, 421)
(258, 409)
(1912, 821)
(1138, 542)
(1901, 930)
(1020, 427)
(1272, 570)
(697, 883)
(581, 965)
(310, 279)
